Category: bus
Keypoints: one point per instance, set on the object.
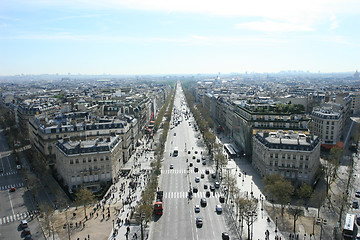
(176, 151)
(350, 228)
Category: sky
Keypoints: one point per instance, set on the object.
(178, 37)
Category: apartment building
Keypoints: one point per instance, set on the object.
(46, 131)
(88, 163)
(327, 124)
(293, 154)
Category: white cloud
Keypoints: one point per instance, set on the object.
(272, 26)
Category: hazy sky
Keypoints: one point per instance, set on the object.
(183, 36)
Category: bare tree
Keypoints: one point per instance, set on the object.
(84, 197)
(296, 212)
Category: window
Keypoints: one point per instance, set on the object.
(306, 166)
(84, 160)
(71, 161)
(307, 158)
(271, 163)
(276, 163)
(107, 158)
(271, 155)
(276, 155)
(77, 160)
(89, 159)
(95, 160)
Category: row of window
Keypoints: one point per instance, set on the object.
(289, 156)
(89, 160)
(288, 164)
(289, 174)
(90, 178)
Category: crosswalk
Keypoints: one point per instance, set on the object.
(13, 218)
(8, 173)
(16, 185)
(180, 195)
(182, 171)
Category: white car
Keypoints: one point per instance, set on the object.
(171, 166)
(218, 209)
(197, 179)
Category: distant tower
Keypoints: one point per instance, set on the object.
(356, 74)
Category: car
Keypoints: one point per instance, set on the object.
(212, 188)
(199, 137)
(196, 152)
(217, 184)
(191, 164)
(355, 204)
(12, 189)
(207, 194)
(196, 169)
(171, 166)
(18, 167)
(202, 175)
(203, 202)
(26, 231)
(189, 152)
(203, 157)
(213, 175)
(358, 219)
(357, 194)
(218, 208)
(197, 179)
(204, 162)
(197, 208)
(207, 171)
(174, 134)
(205, 186)
(23, 224)
(28, 237)
(222, 199)
(225, 236)
(1, 170)
(198, 160)
(195, 189)
(199, 222)
(193, 157)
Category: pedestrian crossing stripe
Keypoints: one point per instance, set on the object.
(182, 171)
(16, 185)
(13, 218)
(180, 195)
(9, 173)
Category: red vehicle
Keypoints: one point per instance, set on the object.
(158, 208)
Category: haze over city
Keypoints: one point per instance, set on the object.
(168, 37)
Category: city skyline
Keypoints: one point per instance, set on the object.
(163, 37)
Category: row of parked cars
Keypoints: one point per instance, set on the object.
(25, 230)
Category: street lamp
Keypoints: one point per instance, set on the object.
(276, 226)
(251, 189)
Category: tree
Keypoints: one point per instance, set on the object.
(84, 197)
(317, 198)
(296, 212)
(304, 192)
(279, 189)
(230, 183)
(47, 212)
(220, 161)
(331, 165)
(249, 214)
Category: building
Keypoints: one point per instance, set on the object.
(294, 155)
(89, 163)
(328, 125)
(45, 132)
